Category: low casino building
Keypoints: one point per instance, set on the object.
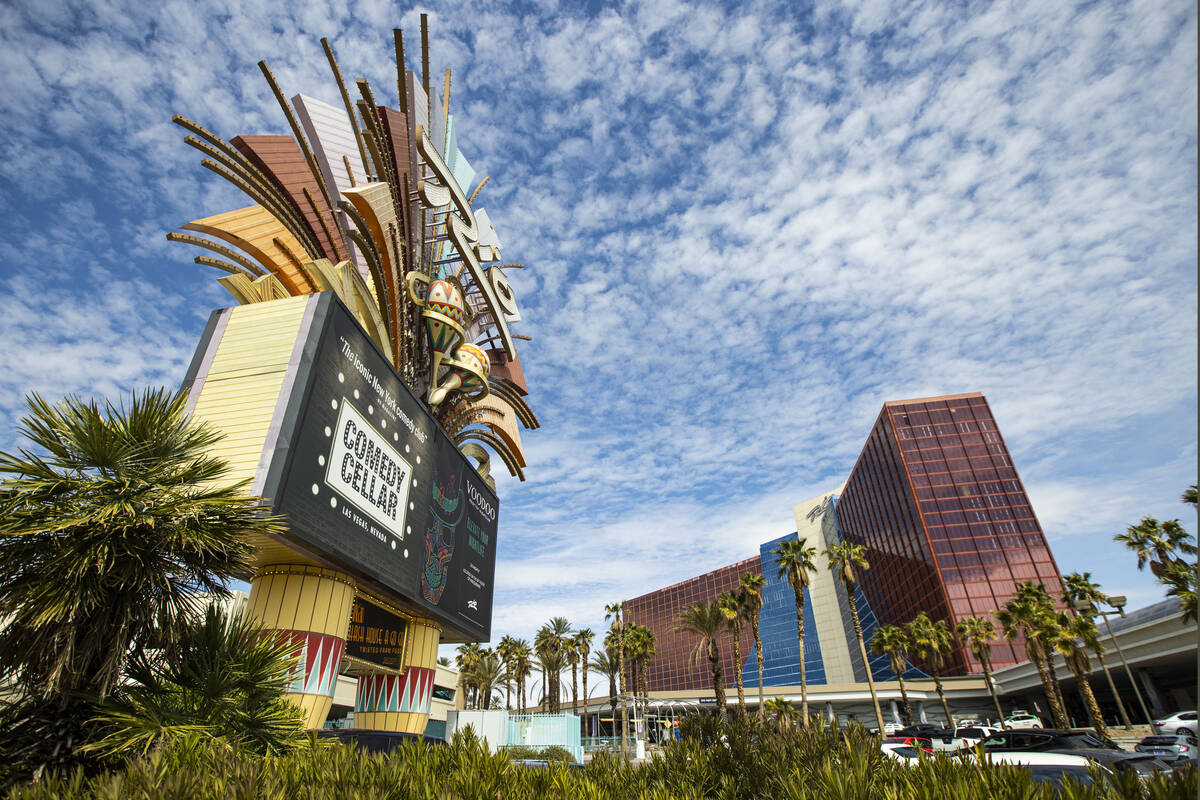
(948, 528)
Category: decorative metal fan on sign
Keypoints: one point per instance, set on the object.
(377, 204)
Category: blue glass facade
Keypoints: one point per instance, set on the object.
(777, 627)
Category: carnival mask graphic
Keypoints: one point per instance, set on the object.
(447, 509)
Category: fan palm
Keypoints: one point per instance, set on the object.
(931, 642)
(467, 657)
(794, 557)
(486, 675)
(891, 640)
(612, 615)
(707, 621)
(522, 668)
(582, 642)
(110, 525)
(977, 634)
(1157, 544)
(504, 649)
(783, 712)
(223, 678)
(751, 586)
(1030, 614)
(733, 608)
(845, 558)
(1083, 596)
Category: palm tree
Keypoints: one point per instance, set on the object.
(1157, 544)
(783, 712)
(977, 634)
(466, 659)
(891, 640)
(707, 621)
(751, 586)
(932, 644)
(1082, 596)
(522, 668)
(795, 561)
(111, 524)
(648, 648)
(1028, 614)
(486, 675)
(583, 646)
(224, 679)
(605, 662)
(1189, 496)
(733, 608)
(844, 559)
(1075, 635)
(572, 656)
(505, 650)
(613, 612)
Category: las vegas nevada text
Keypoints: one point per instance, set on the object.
(647, 399)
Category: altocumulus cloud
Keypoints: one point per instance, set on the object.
(747, 226)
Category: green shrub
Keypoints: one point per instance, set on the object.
(556, 753)
(736, 760)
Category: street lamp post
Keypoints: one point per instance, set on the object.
(1118, 602)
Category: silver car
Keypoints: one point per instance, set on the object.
(1170, 748)
(1179, 722)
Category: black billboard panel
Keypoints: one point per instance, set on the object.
(375, 635)
(368, 479)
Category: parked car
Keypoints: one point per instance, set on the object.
(1022, 720)
(1175, 747)
(1179, 722)
(919, 742)
(1047, 767)
(1144, 765)
(922, 729)
(902, 752)
(962, 737)
(1046, 740)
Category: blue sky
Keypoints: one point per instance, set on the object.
(746, 228)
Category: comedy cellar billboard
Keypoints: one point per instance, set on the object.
(367, 479)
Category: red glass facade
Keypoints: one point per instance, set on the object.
(937, 502)
(671, 668)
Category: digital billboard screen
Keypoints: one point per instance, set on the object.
(366, 478)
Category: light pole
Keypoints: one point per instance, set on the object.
(1118, 602)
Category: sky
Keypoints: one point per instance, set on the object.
(746, 227)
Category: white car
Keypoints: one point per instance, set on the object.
(964, 737)
(1022, 719)
(1048, 767)
(1181, 722)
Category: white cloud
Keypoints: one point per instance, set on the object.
(745, 230)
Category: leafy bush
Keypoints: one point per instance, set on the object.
(556, 753)
(743, 759)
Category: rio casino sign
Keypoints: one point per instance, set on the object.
(365, 380)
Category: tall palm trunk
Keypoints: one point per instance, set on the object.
(718, 678)
(987, 678)
(624, 688)
(1056, 711)
(799, 592)
(759, 658)
(584, 670)
(612, 701)
(737, 667)
(1080, 671)
(1058, 692)
(575, 688)
(898, 668)
(862, 649)
(941, 693)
